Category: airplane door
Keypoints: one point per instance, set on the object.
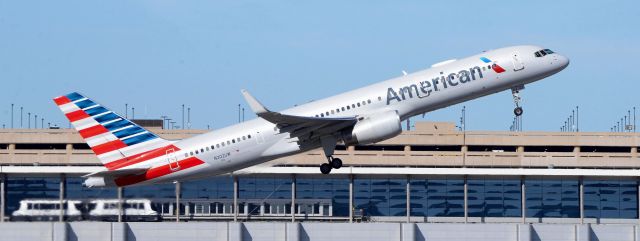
(174, 165)
(259, 138)
(517, 63)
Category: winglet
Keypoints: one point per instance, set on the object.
(255, 105)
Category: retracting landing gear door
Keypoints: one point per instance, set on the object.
(517, 63)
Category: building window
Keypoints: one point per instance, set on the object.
(611, 199)
(491, 197)
(380, 196)
(552, 198)
(437, 197)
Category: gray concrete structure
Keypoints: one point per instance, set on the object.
(313, 231)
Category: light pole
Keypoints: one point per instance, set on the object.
(28, 120)
(11, 115)
(133, 113)
(189, 117)
(35, 121)
(126, 110)
(21, 116)
(183, 116)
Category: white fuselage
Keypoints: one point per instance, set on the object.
(440, 86)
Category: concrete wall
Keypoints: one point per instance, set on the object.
(311, 231)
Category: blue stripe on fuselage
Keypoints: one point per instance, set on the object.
(485, 60)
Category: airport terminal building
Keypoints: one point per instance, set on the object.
(431, 183)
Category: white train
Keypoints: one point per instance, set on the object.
(74, 210)
(47, 210)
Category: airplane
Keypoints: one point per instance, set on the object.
(132, 155)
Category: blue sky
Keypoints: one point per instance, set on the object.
(157, 55)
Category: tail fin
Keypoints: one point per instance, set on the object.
(114, 139)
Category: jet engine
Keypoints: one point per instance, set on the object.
(373, 128)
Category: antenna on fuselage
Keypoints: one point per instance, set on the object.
(404, 72)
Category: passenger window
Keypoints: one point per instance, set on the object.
(364, 102)
(233, 140)
(238, 139)
(196, 152)
(353, 106)
(332, 112)
(186, 155)
(358, 104)
(207, 148)
(317, 115)
(379, 98)
(321, 115)
(489, 67)
(222, 144)
(192, 153)
(327, 113)
(249, 136)
(338, 110)
(484, 68)
(244, 138)
(202, 150)
(217, 145)
(212, 147)
(348, 108)
(342, 108)
(369, 101)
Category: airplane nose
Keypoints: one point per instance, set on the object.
(563, 61)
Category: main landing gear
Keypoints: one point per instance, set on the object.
(329, 146)
(333, 163)
(515, 91)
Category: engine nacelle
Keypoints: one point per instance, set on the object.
(374, 128)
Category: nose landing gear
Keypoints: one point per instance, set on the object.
(515, 91)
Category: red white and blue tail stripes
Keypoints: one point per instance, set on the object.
(114, 139)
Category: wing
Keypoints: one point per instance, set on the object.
(299, 125)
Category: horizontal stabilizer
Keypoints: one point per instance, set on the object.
(117, 173)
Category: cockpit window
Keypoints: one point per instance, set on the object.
(543, 52)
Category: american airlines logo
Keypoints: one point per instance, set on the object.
(424, 88)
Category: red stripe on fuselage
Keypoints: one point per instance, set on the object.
(61, 100)
(158, 172)
(76, 115)
(140, 157)
(497, 68)
(93, 131)
(109, 146)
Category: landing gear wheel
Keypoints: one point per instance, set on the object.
(518, 111)
(336, 163)
(325, 168)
